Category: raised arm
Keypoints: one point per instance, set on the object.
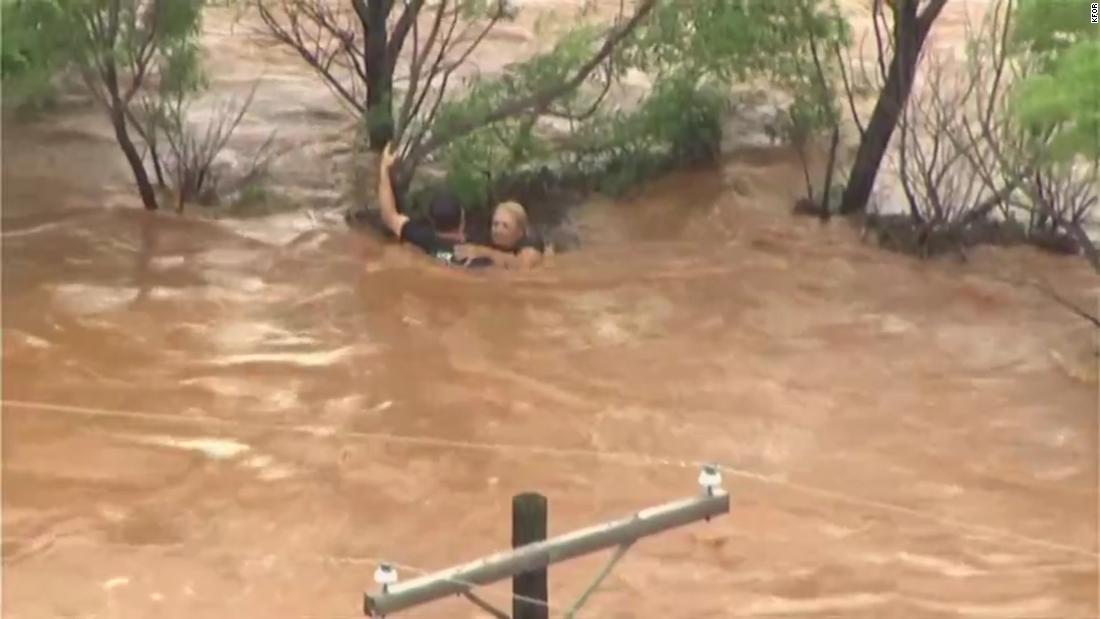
(387, 201)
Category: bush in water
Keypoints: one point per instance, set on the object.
(692, 53)
(30, 51)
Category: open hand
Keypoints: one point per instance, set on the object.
(387, 156)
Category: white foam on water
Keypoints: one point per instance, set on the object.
(223, 385)
(310, 359)
(259, 461)
(308, 241)
(839, 532)
(34, 341)
(241, 334)
(1002, 558)
(381, 406)
(161, 293)
(348, 404)
(282, 399)
(286, 338)
(229, 294)
(215, 448)
(163, 263)
(11, 234)
(227, 287)
(785, 606)
(609, 330)
(939, 566)
(234, 281)
(944, 491)
(331, 291)
(1029, 607)
(895, 325)
(267, 468)
(1058, 438)
(318, 430)
(228, 257)
(116, 582)
(279, 229)
(1057, 474)
(83, 299)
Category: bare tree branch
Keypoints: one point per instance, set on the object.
(539, 99)
(433, 72)
(144, 55)
(608, 81)
(419, 57)
(401, 31)
(316, 47)
(877, 19)
(842, 63)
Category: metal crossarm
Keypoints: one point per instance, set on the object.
(461, 579)
(572, 612)
(485, 606)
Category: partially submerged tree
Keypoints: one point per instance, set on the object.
(899, 51)
(139, 60)
(1061, 99)
(359, 46)
(190, 152)
(1063, 93)
(118, 45)
(691, 53)
(31, 41)
(817, 64)
(973, 147)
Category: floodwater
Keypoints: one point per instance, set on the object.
(239, 418)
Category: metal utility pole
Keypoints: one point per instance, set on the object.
(533, 557)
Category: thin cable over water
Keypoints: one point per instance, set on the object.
(552, 609)
(622, 457)
(322, 558)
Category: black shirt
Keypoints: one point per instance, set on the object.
(421, 234)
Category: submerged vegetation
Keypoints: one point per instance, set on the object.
(1000, 146)
(139, 60)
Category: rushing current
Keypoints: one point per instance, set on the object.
(238, 418)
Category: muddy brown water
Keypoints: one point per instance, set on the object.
(242, 416)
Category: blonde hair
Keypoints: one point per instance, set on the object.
(516, 210)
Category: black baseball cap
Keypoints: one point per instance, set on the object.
(445, 212)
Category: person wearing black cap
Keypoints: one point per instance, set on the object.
(438, 236)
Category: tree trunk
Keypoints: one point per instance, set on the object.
(910, 31)
(830, 166)
(379, 118)
(117, 112)
(1085, 243)
(145, 188)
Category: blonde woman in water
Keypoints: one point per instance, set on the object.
(513, 244)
